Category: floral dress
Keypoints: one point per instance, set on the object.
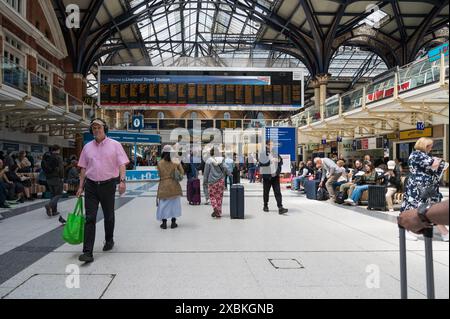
(421, 178)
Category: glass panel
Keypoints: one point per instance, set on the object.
(59, 97)
(314, 113)
(352, 100)
(418, 74)
(381, 89)
(14, 75)
(39, 88)
(332, 107)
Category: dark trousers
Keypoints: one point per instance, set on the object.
(273, 182)
(56, 188)
(95, 194)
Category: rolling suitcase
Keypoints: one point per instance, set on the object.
(237, 205)
(193, 192)
(311, 189)
(428, 237)
(377, 197)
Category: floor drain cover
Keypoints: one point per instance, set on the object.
(286, 264)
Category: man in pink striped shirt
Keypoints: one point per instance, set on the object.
(102, 162)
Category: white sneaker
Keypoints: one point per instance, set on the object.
(350, 201)
(207, 202)
(445, 237)
(411, 236)
(391, 210)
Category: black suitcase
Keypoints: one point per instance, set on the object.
(237, 205)
(311, 189)
(377, 197)
(428, 238)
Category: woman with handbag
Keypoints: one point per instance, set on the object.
(169, 189)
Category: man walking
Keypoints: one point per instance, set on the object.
(271, 170)
(53, 167)
(103, 163)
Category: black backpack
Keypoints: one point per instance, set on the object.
(322, 194)
(49, 163)
(340, 197)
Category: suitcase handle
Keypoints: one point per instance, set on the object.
(428, 236)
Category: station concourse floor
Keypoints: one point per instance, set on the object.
(317, 250)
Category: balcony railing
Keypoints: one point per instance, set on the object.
(399, 80)
(29, 83)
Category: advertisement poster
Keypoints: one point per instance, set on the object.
(286, 168)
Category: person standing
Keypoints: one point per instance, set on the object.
(271, 170)
(214, 176)
(169, 188)
(424, 175)
(230, 165)
(53, 167)
(103, 164)
(330, 171)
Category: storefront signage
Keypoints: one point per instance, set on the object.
(392, 136)
(420, 126)
(406, 135)
(9, 147)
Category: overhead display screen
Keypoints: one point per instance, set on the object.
(122, 87)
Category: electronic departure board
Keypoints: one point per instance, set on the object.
(161, 87)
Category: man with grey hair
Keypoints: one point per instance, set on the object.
(329, 170)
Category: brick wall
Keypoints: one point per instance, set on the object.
(36, 15)
(32, 64)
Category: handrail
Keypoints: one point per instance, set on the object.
(24, 80)
(390, 84)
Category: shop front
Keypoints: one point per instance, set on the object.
(404, 145)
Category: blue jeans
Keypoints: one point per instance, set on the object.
(251, 174)
(228, 179)
(357, 192)
(299, 181)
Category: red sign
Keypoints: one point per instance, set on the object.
(365, 144)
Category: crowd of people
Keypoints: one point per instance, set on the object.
(17, 168)
(220, 169)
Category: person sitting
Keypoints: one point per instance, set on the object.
(369, 178)
(392, 182)
(352, 176)
(73, 175)
(304, 172)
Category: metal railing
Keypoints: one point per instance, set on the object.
(18, 77)
(396, 81)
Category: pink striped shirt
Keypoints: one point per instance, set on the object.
(102, 160)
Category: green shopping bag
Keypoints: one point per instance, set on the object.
(74, 229)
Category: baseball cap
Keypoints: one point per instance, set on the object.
(391, 164)
(97, 121)
(167, 148)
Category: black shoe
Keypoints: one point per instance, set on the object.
(174, 223)
(282, 211)
(266, 209)
(87, 258)
(48, 211)
(55, 213)
(108, 245)
(5, 205)
(61, 220)
(164, 224)
(30, 199)
(21, 200)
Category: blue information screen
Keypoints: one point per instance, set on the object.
(284, 140)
